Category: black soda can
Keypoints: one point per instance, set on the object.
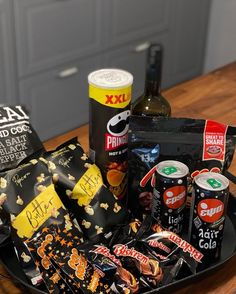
(169, 195)
(110, 97)
(207, 216)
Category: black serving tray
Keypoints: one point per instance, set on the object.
(10, 262)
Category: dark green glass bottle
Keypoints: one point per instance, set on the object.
(152, 103)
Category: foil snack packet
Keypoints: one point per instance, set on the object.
(154, 256)
(203, 145)
(80, 185)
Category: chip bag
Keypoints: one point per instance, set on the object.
(203, 145)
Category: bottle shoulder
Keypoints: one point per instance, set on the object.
(152, 105)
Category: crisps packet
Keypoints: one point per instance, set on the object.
(18, 138)
(203, 145)
(32, 203)
(80, 185)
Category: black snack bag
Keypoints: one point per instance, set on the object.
(18, 138)
(80, 185)
(18, 141)
(31, 202)
(202, 145)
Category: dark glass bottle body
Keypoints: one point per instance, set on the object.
(152, 103)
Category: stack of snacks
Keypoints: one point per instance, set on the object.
(18, 141)
(79, 182)
(143, 257)
(32, 204)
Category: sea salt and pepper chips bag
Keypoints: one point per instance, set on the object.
(79, 182)
(18, 139)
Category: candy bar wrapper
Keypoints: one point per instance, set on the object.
(147, 270)
(154, 256)
(80, 184)
(64, 253)
(111, 270)
(55, 279)
(30, 200)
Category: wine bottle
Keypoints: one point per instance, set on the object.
(152, 103)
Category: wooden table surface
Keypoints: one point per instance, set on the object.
(211, 96)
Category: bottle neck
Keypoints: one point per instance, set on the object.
(152, 88)
(153, 82)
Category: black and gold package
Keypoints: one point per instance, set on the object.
(18, 141)
(79, 183)
(31, 202)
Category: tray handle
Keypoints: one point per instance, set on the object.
(230, 176)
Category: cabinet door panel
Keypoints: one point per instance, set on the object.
(189, 30)
(7, 69)
(50, 32)
(58, 100)
(129, 59)
(129, 20)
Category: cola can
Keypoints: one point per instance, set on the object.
(110, 98)
(208, 212)
(169, 195)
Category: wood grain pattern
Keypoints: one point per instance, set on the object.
(211, 96)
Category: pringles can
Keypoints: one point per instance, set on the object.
(169, 195)
(207, 216)
(110, 98)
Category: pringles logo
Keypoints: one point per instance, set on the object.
(210, 210)
(117, 128)
(175, 197)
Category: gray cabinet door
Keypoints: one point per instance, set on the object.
(52, 32)
(132, 58)
(58, 99)
(8, 90)
(188, 30)
(135, 19)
